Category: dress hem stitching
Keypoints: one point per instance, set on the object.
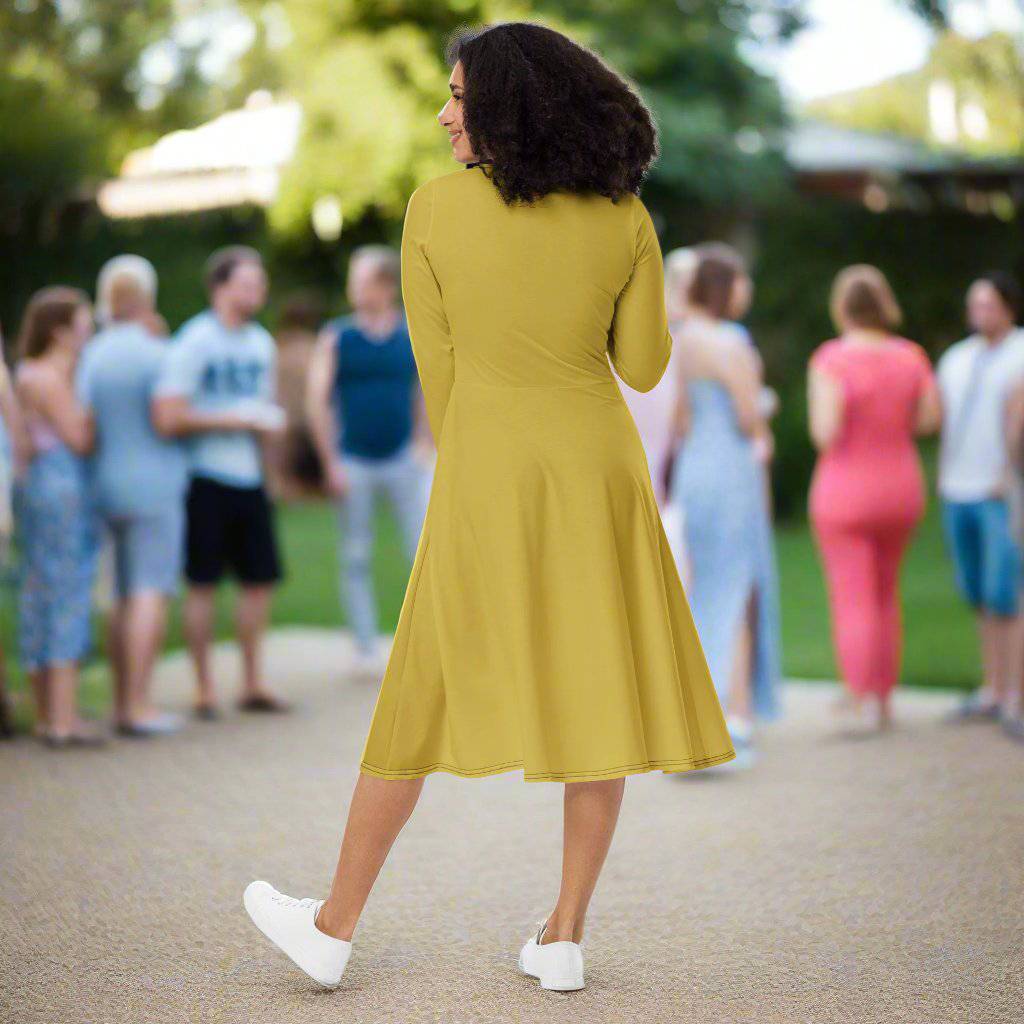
(641, 766)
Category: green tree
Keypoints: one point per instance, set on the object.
(718, 118)
(74, 98)
(370, 77)
(985, 75)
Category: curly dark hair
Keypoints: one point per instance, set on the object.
(549, 115)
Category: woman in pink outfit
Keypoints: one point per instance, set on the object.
(870, 392)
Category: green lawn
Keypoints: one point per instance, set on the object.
(940, 644)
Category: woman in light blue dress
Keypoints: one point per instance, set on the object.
(720, 481)
(57, 535)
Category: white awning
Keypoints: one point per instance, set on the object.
(232, 160)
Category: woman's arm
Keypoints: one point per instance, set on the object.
(928, 417)
(739, 370)
(424, 310)
(639, 342)
(55, 398)
(824, 408)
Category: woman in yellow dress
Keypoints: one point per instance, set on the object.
(544, 628)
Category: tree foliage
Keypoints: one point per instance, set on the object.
(371, 78)
(986, 77)
(74, 99)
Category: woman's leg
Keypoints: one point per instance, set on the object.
(890, 547)
(591, 813)
(740, 703)
(62, 692)
(379, 809)
(849, 571)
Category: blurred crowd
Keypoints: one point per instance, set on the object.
(138, 459)
(871, 393)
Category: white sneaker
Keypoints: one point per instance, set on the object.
(368, 665)
(557, 965)
(741, 730)
(289, 923)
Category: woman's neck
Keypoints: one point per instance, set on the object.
(697, 314)
(866, 336)
(61, 358)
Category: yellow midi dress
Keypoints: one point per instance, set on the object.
(544, 626)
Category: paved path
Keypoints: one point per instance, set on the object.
(839, 881)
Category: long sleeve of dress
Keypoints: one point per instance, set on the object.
(639, 341)
(424, 311)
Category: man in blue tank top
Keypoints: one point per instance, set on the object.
(366, 416)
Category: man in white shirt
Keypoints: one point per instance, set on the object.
(216, 390)
(976, 378)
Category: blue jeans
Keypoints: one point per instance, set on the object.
(404, 482)
(987, 559)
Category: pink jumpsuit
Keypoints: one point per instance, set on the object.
(867, 497)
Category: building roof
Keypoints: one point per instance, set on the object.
(818, 147)
(234, 159)
(237, 159)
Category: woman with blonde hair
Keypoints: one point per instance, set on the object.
(870, 392)
(56, 532)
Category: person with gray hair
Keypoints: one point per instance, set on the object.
(128, 271)
(138, 484)
(365, 413)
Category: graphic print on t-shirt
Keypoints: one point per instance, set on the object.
(222, 370)
(234, 377)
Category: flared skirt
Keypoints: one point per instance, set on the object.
(544, 626)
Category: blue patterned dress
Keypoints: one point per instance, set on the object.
(58, 542)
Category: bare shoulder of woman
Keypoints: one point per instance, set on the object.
(700, 351)
(735, 359)
(38, 382)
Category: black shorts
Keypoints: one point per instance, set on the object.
(230, 528)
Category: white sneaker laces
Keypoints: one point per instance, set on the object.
(292, 903)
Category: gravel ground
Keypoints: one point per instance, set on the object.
(837, 880)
